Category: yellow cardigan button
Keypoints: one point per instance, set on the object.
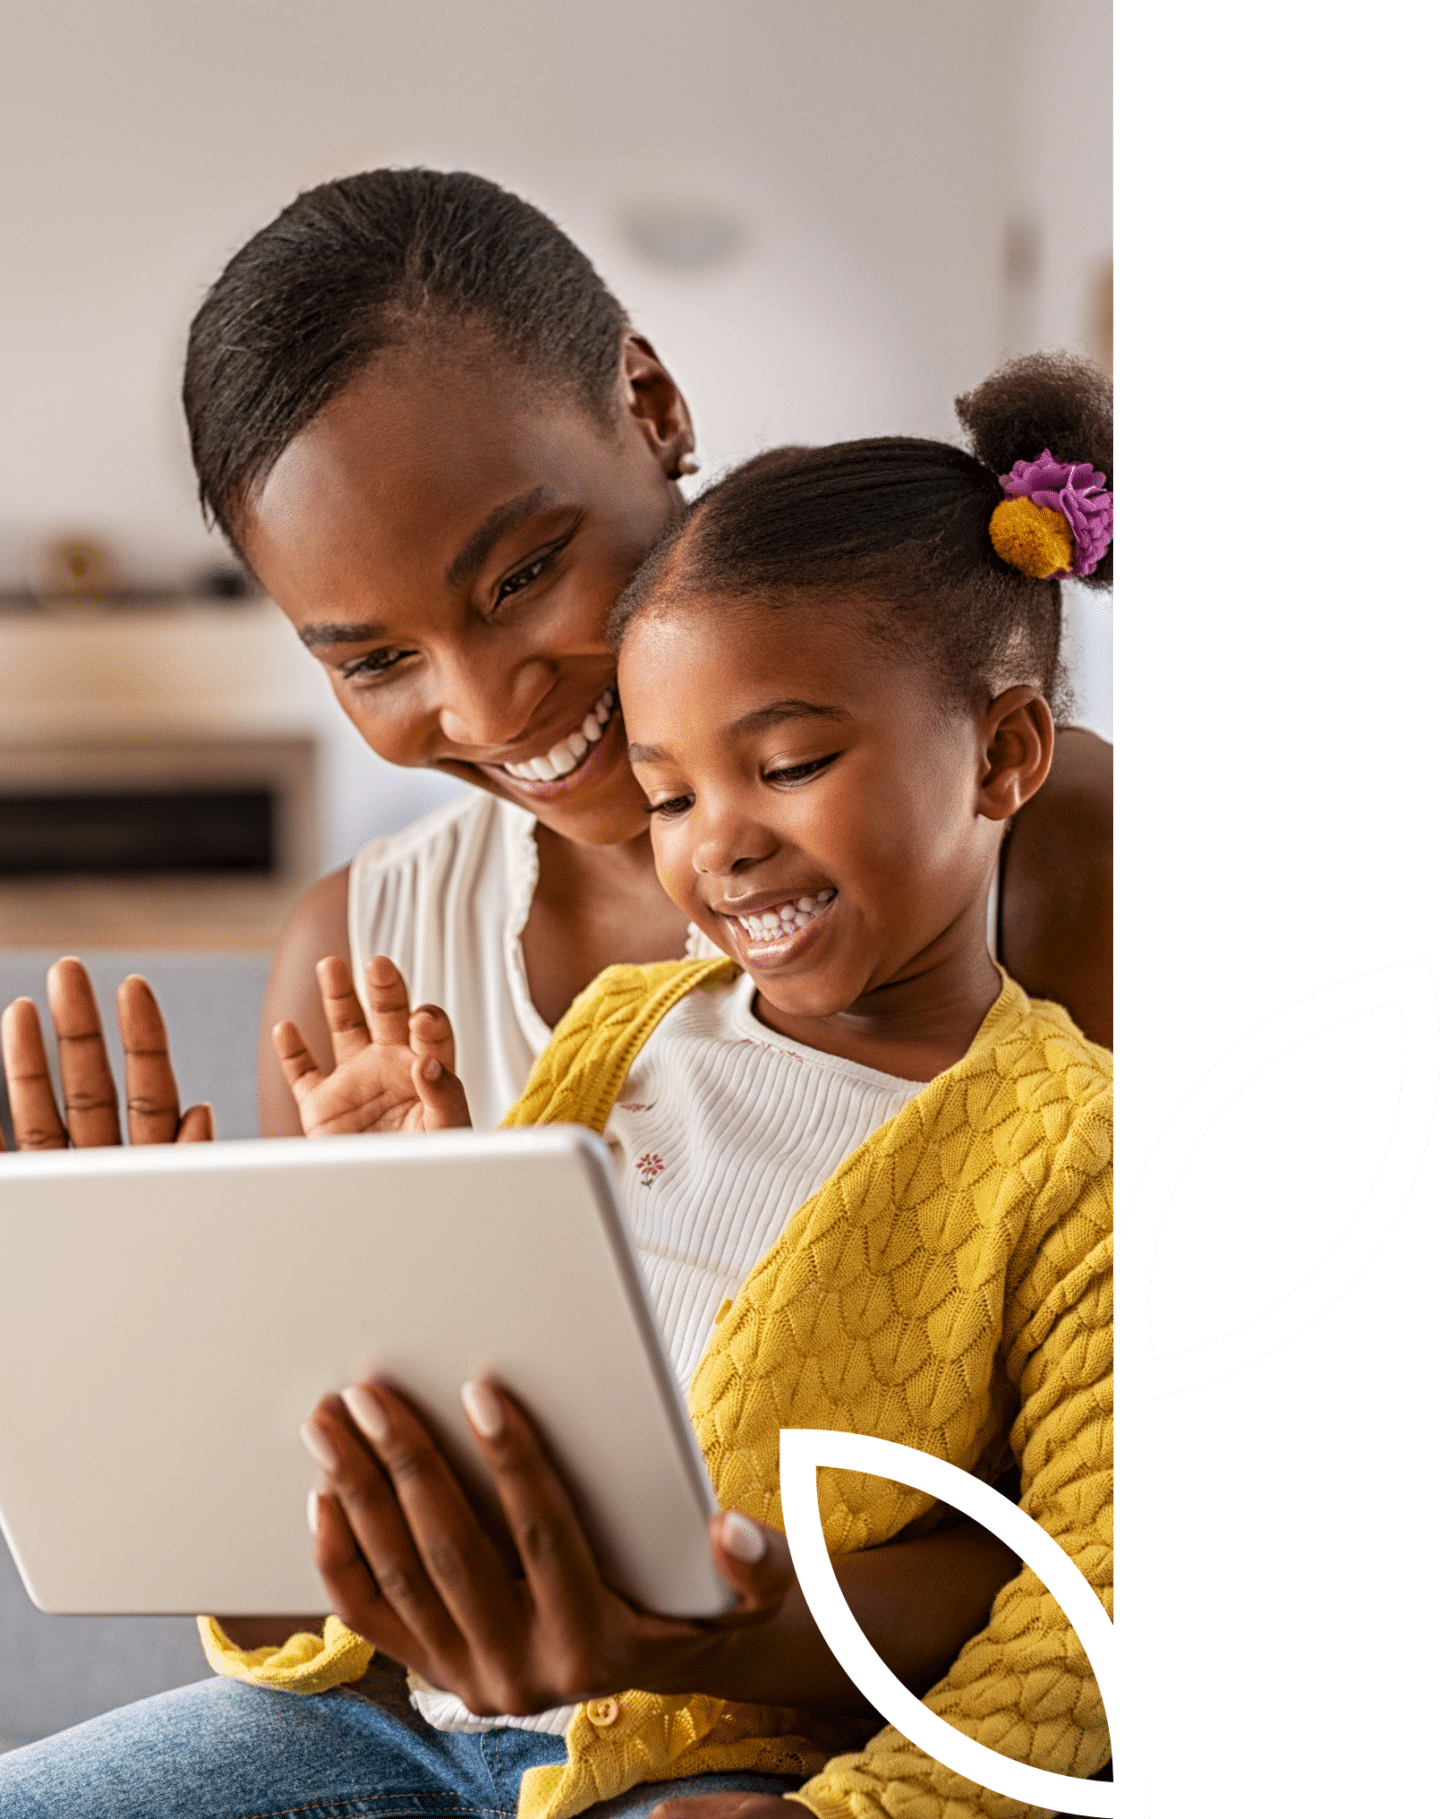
(602, 1712)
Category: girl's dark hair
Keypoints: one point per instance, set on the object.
(358, 265)
(903, 524)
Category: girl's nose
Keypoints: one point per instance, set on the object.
(729, 843)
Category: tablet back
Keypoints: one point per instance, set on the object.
(168, 1317)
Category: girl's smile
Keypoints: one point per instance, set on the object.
(826, 818)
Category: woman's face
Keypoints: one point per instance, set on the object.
(449, 541)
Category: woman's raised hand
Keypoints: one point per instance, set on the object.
(395, 1073)
(407, 1564)
(87, 1087)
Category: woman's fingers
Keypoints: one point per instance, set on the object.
(33, 1111)
(92, 1109)
(755, 1561)
(349, 1032)
(198, 1125)
(559, 1565)
(389, 1002)
(429, 1559)
(152, 1101)
(353, 1594)
(301, 1070)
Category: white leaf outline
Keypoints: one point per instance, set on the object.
(802, 1450)
(1140, 1377)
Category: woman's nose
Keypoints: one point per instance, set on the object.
(488, 709)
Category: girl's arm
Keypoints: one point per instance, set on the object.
(1056, 885)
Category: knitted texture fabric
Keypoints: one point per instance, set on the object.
(948, 1288)
(306, 1663)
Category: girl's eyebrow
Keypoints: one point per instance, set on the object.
(330, 632)
(756, 721)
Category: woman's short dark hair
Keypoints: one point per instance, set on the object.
(358, 265)
(902, 524)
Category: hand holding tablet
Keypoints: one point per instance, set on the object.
(407, 1563)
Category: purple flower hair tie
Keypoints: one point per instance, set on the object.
(1075, 490)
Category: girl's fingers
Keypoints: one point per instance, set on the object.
(389, 1002)
(152, 1101)
(431, 1034)
(301, 1070)
(92, 1109)
(198, 1125)
(442, 1098)
(349, 1033)
(33, 1111)
(559, 1565)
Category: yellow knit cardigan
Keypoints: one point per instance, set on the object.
(949, 1288)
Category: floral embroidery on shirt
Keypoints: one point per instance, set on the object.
(649, 1166)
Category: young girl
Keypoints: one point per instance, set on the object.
(867, 1177)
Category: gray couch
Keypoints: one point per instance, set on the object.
(56, 1671)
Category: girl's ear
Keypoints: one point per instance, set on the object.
(655, 406)
(1019, 741)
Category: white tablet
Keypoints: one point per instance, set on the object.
(169, 1316)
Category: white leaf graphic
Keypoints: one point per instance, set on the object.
(802, 1449)
(1140, 1377)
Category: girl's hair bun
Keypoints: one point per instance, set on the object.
(1052, 405)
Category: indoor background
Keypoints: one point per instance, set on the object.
(829, 215)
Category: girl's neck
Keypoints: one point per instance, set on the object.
(916, 1024)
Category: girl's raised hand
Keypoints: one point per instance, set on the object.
(91, 1118)
(395, 1076)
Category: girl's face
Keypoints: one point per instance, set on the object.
(814, 807)
(449, 543)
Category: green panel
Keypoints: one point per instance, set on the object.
(1277, 335)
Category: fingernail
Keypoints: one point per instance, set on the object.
(318, 1447)
(368, 1414)
(431, 1069)
(312, 1512)
(484, 1407)
(741, 1538)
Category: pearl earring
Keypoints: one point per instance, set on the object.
(687, 464)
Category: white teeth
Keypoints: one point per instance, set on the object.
(807, 904)
(770, 925)
(563, 757)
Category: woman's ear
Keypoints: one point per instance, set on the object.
(1019, 742)
(653, 401)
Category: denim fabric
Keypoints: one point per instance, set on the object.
(220, 1750)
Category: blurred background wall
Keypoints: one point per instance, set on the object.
(830, 215)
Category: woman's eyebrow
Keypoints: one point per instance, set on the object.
(501, 521)
(332, 632)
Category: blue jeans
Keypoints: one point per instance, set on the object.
(220, 1750)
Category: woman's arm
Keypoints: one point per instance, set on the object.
(1056, 885)
(318, 926)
